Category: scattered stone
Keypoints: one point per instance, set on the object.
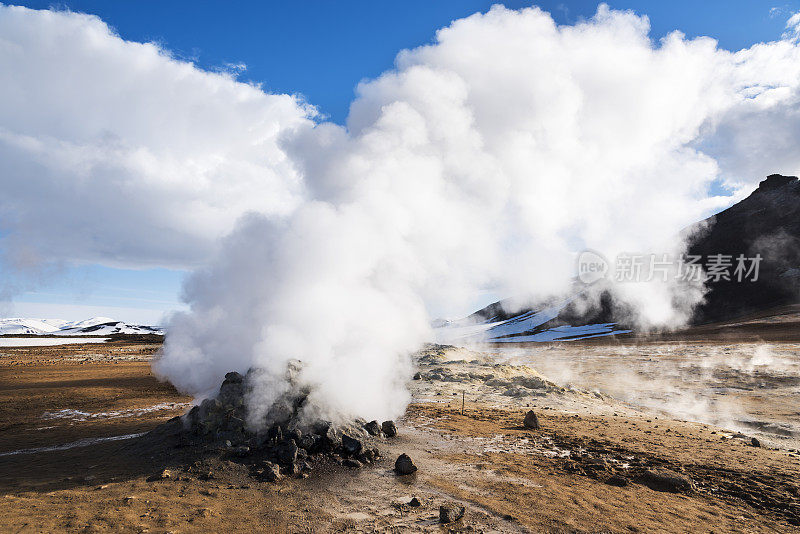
(755, 443)
(403, 465)
(163, 475)
(350, 445)
(242, 451)
(531, 421)
(271, 472)
(373, 428)
(450, 512)
(666, 480)
(389, 429)
(414, 502)
(286, 435)
(350, 462)
(286, 452)
(617, 480)
(368, 456)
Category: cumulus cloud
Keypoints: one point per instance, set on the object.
(114, 152)
(481, 162)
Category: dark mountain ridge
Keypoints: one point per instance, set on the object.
(765, 224)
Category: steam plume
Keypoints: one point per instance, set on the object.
(480, 162)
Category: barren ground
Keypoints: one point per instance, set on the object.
(510, 479)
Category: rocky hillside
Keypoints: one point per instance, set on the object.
(767, 223)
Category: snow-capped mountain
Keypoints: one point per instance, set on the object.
(547, 322)
(96, 326)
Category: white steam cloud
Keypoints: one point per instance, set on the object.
(481, 162)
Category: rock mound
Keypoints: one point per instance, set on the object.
(283, 441)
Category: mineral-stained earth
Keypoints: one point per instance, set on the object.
(651, 436)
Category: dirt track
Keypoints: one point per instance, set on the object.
(510, 479)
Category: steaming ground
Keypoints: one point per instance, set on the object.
(602, 408)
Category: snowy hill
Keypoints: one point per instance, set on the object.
(551, 321)
(96, 326)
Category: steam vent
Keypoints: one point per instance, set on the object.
(286, 441)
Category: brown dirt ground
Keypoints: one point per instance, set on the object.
(509, 479)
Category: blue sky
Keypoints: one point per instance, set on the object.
(322, 49)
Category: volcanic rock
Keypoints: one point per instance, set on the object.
(403, 465)
(450, 512)
(666, 480)
(368, 456)
(414, 502)
(281, 439)
(617, 480)
(531, 421)
(389, 429)
(166, 474)
(271, 472)
(286, 452)
(373, 428)
(350, 445)
(755, 443)
(240, 451)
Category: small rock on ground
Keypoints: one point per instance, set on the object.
(450, 512)
(373, 428)
(666, 480)
(389, 428)
(403, 465)
(531, 421)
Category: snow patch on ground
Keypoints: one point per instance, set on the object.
(47, 341)
(77, 415)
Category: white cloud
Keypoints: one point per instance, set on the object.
(114, 152)
(793, 27)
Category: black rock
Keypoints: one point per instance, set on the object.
(373, 428)
(350, 462)
(617, 480)
(350, 445)
(274, 434)
(308, 442)
(233, 378)
(755, 443)
(403, 465)
(450, 512)
(531, 421)
(241, 451)
(271, 472)
(286, 452)
(417, 376)
(367, 456)
(389, 429)
(414, 502)
(665, 480)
